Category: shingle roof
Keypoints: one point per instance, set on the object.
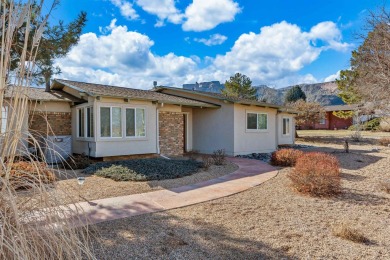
(340, 108)
(41, 95)
(130, 93)
(222, 97)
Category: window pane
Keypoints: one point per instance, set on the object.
(105, 129)
(130, 122)
(81, 122)
(89, 122)
(262, 121)
(251, 121)
(286, 126)
(140, 122)
(116, 122)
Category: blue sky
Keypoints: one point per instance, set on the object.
(278, 43)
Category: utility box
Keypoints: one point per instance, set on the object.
(57, 148)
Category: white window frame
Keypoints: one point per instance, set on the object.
(257, 114)
(289, 126)
(100, 122)
(84, 109)
(135, 122)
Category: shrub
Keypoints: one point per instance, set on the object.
(317, 174)
(385, 141)
(207, 161)
(120, 173)
(192, 155)
(78, 161)
(344, 231)
(146, 169)
(371, 125)
(219, 157)
(25, 175)
(285, 157)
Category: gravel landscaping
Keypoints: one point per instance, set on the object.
(98, 187)
(270, 221)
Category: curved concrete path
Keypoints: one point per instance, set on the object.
(249, 174)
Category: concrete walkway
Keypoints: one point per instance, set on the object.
(250, 173)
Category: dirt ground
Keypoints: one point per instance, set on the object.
(270, 221)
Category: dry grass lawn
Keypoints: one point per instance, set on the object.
(268, 221)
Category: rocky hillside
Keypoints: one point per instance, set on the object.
(323, 93)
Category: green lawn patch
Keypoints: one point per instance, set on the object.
(144, 169)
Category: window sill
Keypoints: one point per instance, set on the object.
(256, 131)
(121, 139)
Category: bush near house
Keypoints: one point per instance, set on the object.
(317, 174)
(144, 169)
(285, 157)
(25, 175)
(78, 161)
(219, 157)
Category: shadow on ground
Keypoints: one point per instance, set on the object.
(169, 237)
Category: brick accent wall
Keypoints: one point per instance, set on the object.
(171, 132)
(47, 123)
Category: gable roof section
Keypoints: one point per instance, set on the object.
(96, 90)
(340, 108)
(39, 94)
(223, 97)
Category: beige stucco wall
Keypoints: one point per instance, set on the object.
(212, 128)
(253, 141)
(285, 139)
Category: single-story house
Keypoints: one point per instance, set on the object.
(329, 121)
(108, 121)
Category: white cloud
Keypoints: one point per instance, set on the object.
(123, 57)
(273, 56)
(333, 77)
(330, 34)
(215, 39)
(202, 15)
(278, 50)
(126, 9)
(163, 9)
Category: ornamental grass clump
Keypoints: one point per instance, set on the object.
(317, 174)
(30, 228)
(285, 157)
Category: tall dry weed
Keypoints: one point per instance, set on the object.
(32, 225)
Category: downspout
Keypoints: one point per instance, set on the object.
(157, 130)
(277, 130)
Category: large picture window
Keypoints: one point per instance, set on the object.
(111, 122)
(257, 121)
(85, 127)
(286, 126)
(135, 122)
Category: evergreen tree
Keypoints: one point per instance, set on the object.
(294, 94)
(56, 42)
(239, 86)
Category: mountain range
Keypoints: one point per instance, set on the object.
(323, 93)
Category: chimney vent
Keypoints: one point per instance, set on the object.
(154, 83)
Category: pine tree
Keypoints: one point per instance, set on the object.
(294, 94)
(239, 86)
(56, 42)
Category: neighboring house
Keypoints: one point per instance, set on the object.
(106, 121)
(329, 121)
